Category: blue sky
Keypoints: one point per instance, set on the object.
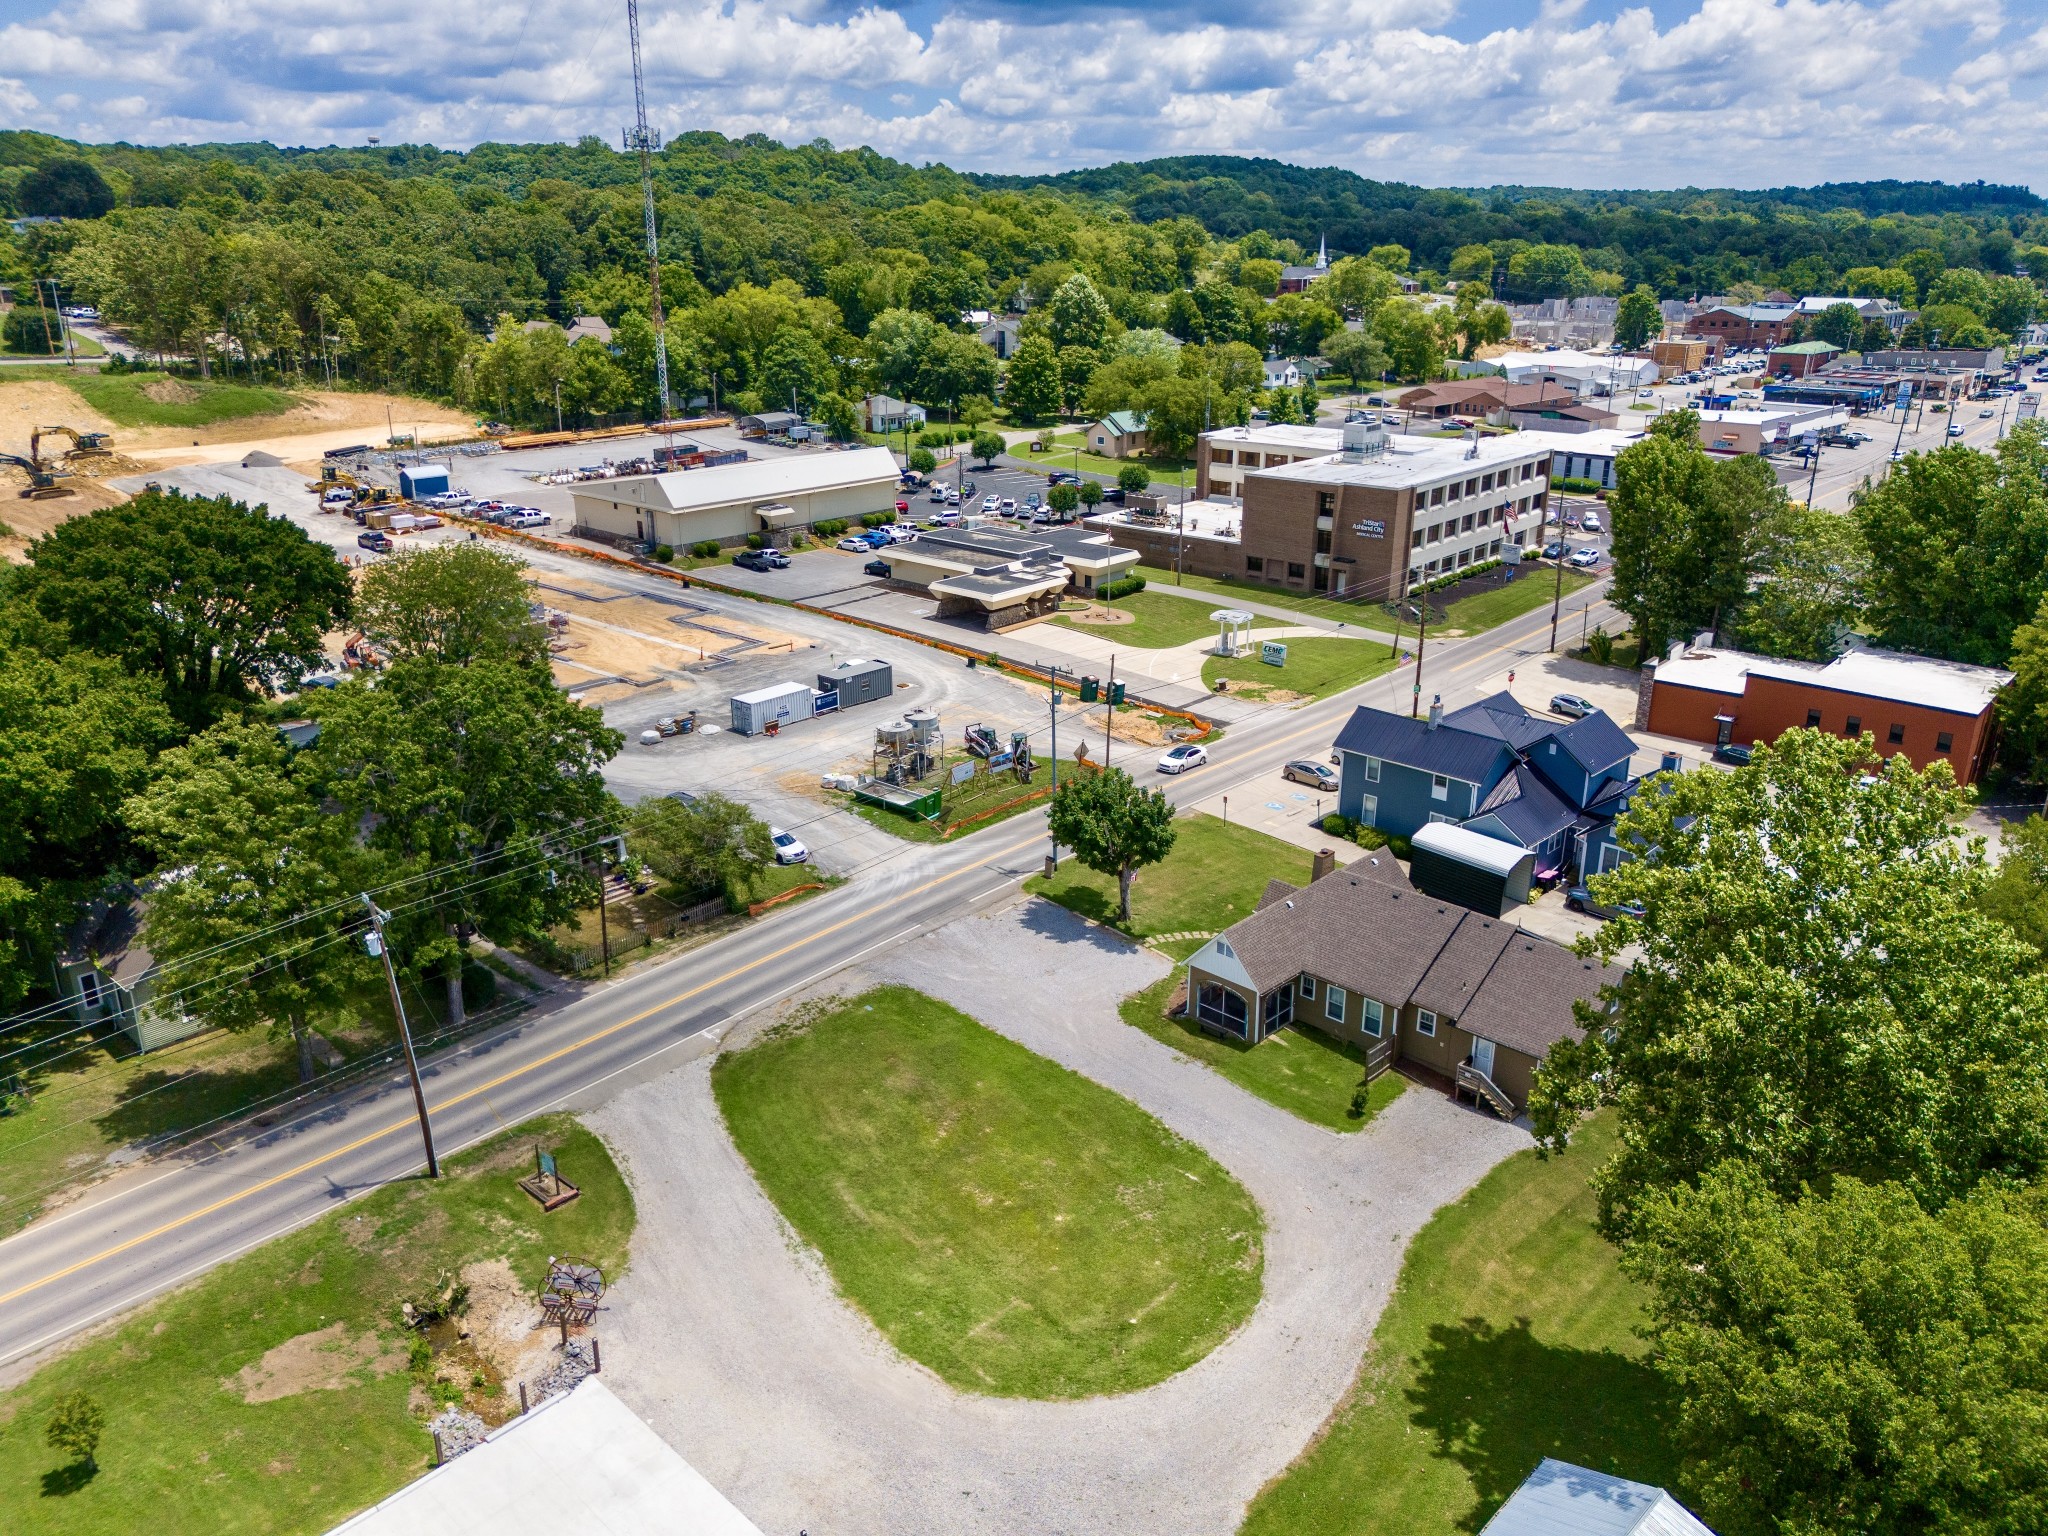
(1595, 93)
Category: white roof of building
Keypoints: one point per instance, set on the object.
(1415, 460)
(756, 482)
(1277, 438)
(1600, 443)
(1474, 848)
(581, 1462)
(1592, 365)
(1559, 1499)
(1926, 681)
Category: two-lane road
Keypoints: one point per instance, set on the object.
(160, 1225)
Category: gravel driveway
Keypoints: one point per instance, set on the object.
(728, 1336)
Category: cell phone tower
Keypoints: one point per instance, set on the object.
(645, 141)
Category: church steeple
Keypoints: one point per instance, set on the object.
(1323, 251)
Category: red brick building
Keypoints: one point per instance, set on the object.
(1739, 327)
(1933, 711)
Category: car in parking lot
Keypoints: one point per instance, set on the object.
(876, 568)
(1009, 504)
(1585, 558)
(938, 493)
(1314, 775)
(789, 848)
(528, 517)
(760, 560)
(1591, 522)
(854, 546)
(376, 539)
(1183, 757)
(1735, 754)
(1579, 899)
(991, 502)
(1554, 550)
(1571, 706)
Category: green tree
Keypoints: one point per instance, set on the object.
(1311, 401)
(1392, 257)
(1851, 1362)
(1114, 826)
(74, 1427)
(1176, 413)
(1548, 272)
(2017, 892)
(65, 189)
(32, 331)
(1077, 371)
(840, 417)
(1958, 544)
(1816, 990)
(2012, 304)
(1637, 319)
(454, 604)
(897, 342)
(1089, 493)
(1357, 355)
(1031, 383)
(218, 600)
(1078, 315)
(1924, 266)
(954, 366)
(1134, 478)
(1413, 345)
(1809, 568)
(923, 460)
(487, 769)
(1840, 325)
(1473, 321)
(988, 446)
(710, 844)
(1063, 498)
(1261, 276)
(1357, 286)
(240, 821)
(1684, 530)
(1472, 264)
(1894, 283)
(795, 367)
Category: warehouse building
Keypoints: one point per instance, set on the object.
(726, 503)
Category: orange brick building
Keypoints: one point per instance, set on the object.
(1931, 710)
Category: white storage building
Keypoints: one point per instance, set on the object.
(730, 501)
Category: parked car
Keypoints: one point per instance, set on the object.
(760, 559)
(1554, 550)
(1009, 504)
(902, 532)
(855, 546)
(1585, 559)
(991, 502)
(876, 568)
(789, 848)
(1579, 899)
(1314, 775)
(1571, 706)
(1591, 523)
(938, 493)
(376, 539)
(966, 487)
(1735, 754)
(528, 518)
(1183, 757)
(902, 507)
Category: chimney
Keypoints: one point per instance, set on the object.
(1436, 711)
(1326, 860)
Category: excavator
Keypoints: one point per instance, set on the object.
(361, 492)
(42, 485)
(81, 442)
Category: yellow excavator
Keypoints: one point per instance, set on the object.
(42, 484)
(81, 442)
(361, 493)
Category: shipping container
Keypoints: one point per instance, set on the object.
(858, 682)
(416, 482)
(753, 712)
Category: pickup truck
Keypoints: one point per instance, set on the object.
(376, 539)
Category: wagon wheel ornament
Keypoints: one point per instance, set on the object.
(570, 1295)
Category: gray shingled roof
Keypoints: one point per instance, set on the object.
(1462, 754)
(1502, 715)
(1526, 1000)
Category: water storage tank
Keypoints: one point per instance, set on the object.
(895, 734)
(924, 726)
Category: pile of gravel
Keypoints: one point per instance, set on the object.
(455, 1431)
(575, 1364)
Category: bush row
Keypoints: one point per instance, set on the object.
(1111, 590)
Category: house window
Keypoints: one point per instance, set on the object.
(1333, 1004)
(1218, 1005)
(1372, 769)
(1943, 742)
(1896, 734)
(1322, 541)
(1425, 1022)
(1528, 471)
(1295, 571)
(1472, 487)
(1326, 504)
(1854, 726)
(1370, 1016)
(1457, 491)
(1446, 820)
(1308, 987)
(1466, 526)
(1256, 563)
(1813, 719)
(1369, 811)
(1486, 482)
(1436, 497)
(1417, 543)
(1439, 786)
(1436, 531)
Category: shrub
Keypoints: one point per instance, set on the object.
(877, 519)
(32, 330)
(923, 460)
(1361, 1098)
(1369, 837)
(831, 528)
(664, 553)
(1337, 824)
(1600, 647)
(74, 1428)
(988, 445)
(1111, 590)
(705, 549)
(479, 987)
(1133, 478)
(756, 541)
(1403, 849)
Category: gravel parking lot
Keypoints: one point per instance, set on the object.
(727, 1336)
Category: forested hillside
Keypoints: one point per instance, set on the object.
(812, 273)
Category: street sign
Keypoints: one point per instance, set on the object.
(2030, 405)
(1273, 653)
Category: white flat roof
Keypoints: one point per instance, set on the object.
(1298, 438)
(1600, 443)
(1414, 461)
(1927, 681)
(1475, 848)
(757, 481)
(1195, 519)
(583, 1462)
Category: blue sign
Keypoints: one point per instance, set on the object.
(1273, 653)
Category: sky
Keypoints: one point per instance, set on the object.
(1582, 93)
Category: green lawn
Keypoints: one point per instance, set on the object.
(1159, 619)
(1366, 614)
(1510, 1337)
(1316, 667)
(1212, 878)
(1062, 456)
(1019, 1229)
(123, 398)
(1301, 1071)
(186, 1451)
(1535, 588)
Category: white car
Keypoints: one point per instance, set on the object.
(991, 503)
(1591, 522)
(1183, 757)
(1009, 504)
(901, 532)
(1585, 557)
(788, 849)
(854, 546)
(528, 519)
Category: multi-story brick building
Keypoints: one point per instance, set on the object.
(1743, 326)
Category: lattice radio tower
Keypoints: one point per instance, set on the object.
(641, 138)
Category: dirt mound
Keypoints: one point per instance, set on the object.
(170, 391)
(501, 1317)
(326, 1360)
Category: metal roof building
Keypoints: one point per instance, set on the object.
(730, 501)
(1559, 1499)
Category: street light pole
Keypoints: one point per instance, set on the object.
(1557, 597)
(374, 940)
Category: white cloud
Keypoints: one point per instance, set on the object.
(1582, 92)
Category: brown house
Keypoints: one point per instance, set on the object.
(1406, 978)
(1931, 710)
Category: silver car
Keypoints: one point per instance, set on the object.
(1314, 775)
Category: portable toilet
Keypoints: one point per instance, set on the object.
(858, 682)
(416, 482)
(753, 712)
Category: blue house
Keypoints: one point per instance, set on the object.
(1550, 786)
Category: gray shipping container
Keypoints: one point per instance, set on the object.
(784, 702)
(858, 682)
(420, 480)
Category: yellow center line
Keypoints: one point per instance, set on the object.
(556, 1055)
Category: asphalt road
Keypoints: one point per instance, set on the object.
(169, 1221)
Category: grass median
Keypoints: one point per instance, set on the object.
(1316, 667)
(1022, 1231)
(282, 1392)
(1510, 1337)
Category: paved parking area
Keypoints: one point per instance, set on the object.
(728, 1337)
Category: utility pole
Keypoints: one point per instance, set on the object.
(643, 141)
(374, 941)
(1052, 676)
(1421, 639)
(1108, 709)
(1557, 597)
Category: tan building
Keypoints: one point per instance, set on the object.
(730, 501)
(1684, 354)
(1002, 579)
(1225, 456)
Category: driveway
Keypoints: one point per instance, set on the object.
(728, 1337)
